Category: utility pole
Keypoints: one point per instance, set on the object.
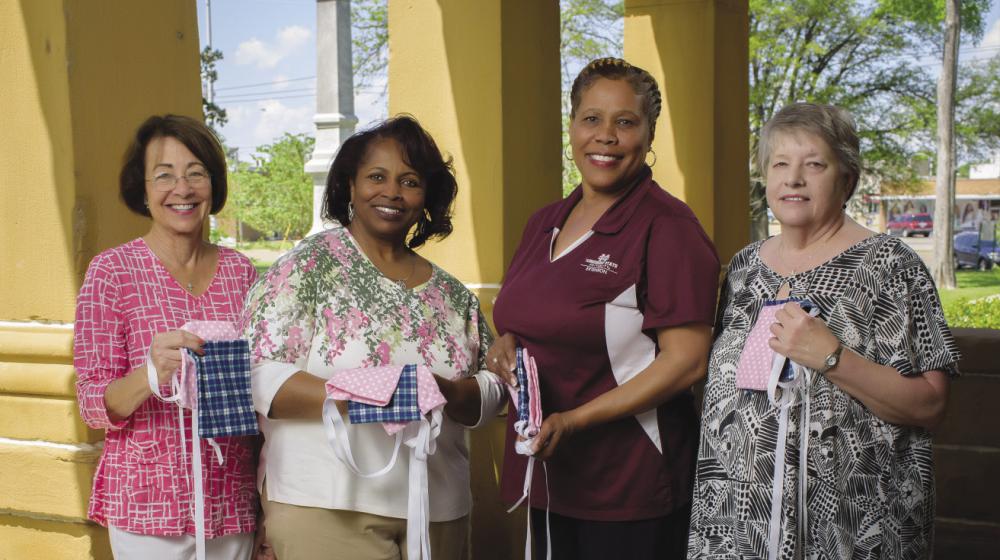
(208, 17)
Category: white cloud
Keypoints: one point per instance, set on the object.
(268, 55)
(992, 37)
(274, 118)
(280, 82)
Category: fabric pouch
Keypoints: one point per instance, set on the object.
(528, 404)
(409, 404)
(215, 387)
(401, 408)
(759, 364)
(527, 400)
(225, 405)
(787, 385)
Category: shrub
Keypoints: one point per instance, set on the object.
(982, 313)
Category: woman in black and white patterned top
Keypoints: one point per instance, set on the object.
(876, 364)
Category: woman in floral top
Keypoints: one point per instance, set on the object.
(131, 307)
(358, 296)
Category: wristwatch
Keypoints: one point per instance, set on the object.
(831, 360)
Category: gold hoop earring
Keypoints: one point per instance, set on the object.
(654, 157)
(569, 156)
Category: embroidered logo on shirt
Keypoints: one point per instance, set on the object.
(602, 265)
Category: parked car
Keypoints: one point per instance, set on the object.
(911, 224)
(972, 252)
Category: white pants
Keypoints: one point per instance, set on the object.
(132, 546)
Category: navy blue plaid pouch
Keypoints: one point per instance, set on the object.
(402, 407)
(521, 373)
(225, 404)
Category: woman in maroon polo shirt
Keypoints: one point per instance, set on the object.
(613, 291)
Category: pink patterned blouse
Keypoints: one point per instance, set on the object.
(143, 484)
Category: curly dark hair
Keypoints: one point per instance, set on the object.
(194, 135)
(419, 152)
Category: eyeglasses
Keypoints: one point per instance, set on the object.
(168, 181)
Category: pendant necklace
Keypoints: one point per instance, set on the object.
(402, 281)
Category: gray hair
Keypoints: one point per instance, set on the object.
(831, 123)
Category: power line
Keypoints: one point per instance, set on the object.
(271, 83)
(273, 98)
(264, 96)
(236, 96)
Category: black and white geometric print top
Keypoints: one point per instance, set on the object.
(870, 483)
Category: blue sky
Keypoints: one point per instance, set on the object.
(267, 76)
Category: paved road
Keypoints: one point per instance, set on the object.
(924, 246)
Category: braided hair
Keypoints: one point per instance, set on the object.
(642, 82)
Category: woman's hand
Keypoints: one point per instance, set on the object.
(261, 547)
(555, 428)
(802, 338)
(463, 399)
(165, 351)
(915, 400)
(502, 358)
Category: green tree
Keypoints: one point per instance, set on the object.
(589, 29)
(215, 116)
(274, 194)
(866, 57)
(370, 42)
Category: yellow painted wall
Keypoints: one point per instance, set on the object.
(484, 80)
(36, 164)
(79, 77)
(30, 539)
(697, 51)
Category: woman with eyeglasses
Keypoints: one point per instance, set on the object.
(133, 301)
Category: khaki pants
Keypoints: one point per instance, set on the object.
(307, 533)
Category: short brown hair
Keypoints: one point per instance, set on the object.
(832, 124)
(642, 83)
(419, 152)
(194, 135)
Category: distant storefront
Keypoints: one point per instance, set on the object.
(976, 201)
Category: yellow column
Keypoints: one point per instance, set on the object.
(79, 78)
(483, 78)
(697, 50)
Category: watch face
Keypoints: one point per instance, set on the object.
(831, 360)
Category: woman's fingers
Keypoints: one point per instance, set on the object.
(190, 341)
(552, 431)
(165, 351)
(501, 359)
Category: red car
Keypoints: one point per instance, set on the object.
(911, 224)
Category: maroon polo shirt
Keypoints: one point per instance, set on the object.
(589, 317)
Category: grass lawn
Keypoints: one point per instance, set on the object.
(972, 284)
(272, 245)
(260, 266)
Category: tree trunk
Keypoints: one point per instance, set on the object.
(943, 268)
